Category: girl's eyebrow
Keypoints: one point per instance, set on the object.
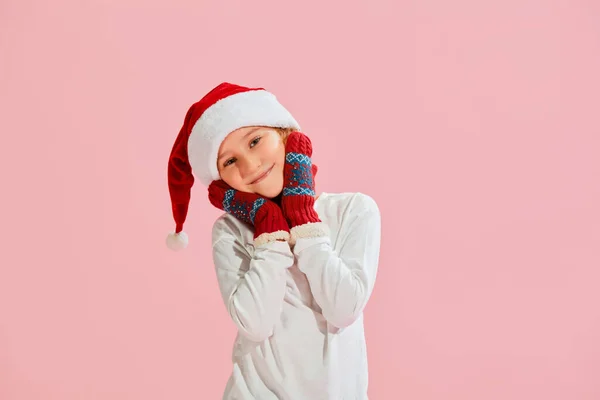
(251, 131)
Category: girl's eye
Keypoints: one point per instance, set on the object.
(255, 141)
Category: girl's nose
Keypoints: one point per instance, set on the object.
(250, 166)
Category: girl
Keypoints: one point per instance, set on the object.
(295, 270)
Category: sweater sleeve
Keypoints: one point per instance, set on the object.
(252, 288)
(342, 283)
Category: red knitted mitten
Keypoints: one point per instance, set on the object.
(298, 197)
(266, 217)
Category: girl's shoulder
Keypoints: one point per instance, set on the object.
(230, 228)
(348, 202)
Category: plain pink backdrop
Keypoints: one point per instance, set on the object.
(473, 124)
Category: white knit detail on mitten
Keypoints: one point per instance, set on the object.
(268, 237)
(308, 230)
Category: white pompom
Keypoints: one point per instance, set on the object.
(177, 241)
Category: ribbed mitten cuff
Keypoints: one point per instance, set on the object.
(299, 210)
(270, 225)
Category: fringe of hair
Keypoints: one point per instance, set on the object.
(284, 133)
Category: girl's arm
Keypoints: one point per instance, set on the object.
(252, 287)
(342, 284)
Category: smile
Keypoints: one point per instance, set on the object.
(263, 176)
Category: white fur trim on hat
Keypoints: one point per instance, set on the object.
(250, 108)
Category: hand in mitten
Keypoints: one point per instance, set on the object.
(266, 216)
(314, 170)
(298, 198)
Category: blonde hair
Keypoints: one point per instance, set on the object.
(284, 133)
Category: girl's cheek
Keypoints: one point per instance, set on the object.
(239, 182)
(272, 143)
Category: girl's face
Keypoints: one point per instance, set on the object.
(251, 159)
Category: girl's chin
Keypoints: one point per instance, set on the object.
(269, 193)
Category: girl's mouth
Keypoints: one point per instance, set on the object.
(263, 176)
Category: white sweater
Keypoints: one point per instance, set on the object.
(299, 310)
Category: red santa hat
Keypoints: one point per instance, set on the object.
(222, 110)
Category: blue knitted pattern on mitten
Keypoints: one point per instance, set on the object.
(301, 179)
(244, 210)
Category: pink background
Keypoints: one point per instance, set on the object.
(474, 124)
